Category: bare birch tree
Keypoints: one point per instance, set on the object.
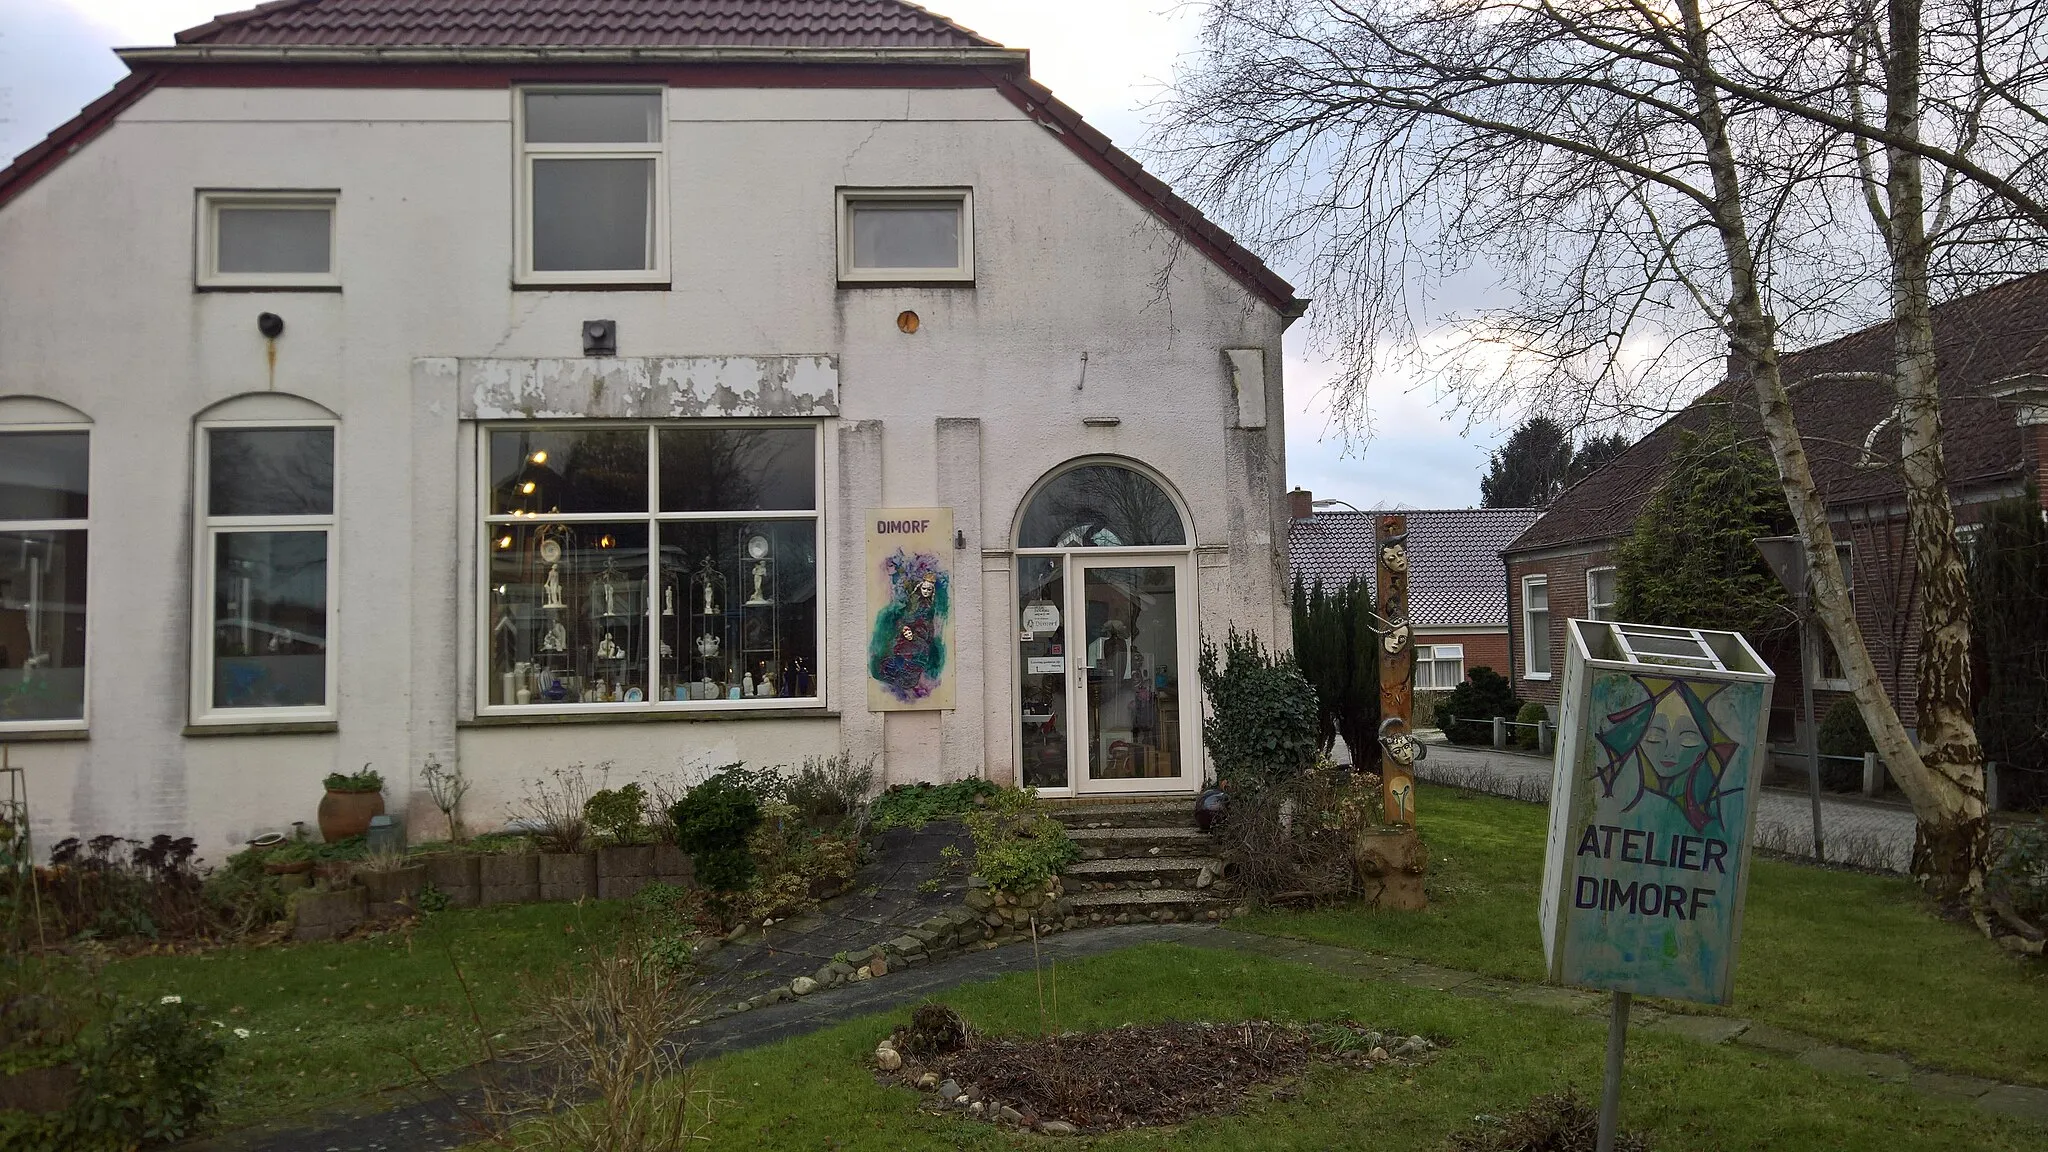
(1659, 194)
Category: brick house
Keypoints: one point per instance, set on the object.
(1993, 351)
(1457, 586)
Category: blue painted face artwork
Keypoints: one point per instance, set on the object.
(1652, 901)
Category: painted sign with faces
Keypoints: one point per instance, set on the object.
(911, 654)
(1653, 796)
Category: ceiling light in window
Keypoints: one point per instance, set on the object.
(604, 541)
(526, 488)
(504, 542)
(540, 457)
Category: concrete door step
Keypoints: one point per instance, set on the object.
(1141, 872)
(1109, 843)
(1176, 813)
(1143, 904)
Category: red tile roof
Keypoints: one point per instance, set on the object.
(586, 24)
(1979, 339)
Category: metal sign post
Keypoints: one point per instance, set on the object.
(1787, 559)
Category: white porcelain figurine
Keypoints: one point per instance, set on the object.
(554, 587)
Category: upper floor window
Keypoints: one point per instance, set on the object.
(906, 234)
(1439, 666)
(591, 185)
(1536, 626)
(266, 240)
(1600, 594)
(266, 516)
(42, 578)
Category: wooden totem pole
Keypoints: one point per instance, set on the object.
(1392, 855)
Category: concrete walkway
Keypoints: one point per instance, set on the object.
(1858, 832)
(404, 1121)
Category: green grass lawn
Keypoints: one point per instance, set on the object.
(336, 1019)
(816, 1092)
(1857, 959)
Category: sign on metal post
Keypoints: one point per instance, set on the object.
(1652, 809)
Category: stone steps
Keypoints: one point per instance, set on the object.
(1176, 813)
(1156, 904)
(1144, 872)
(1139, 843)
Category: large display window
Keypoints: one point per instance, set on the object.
(42, 578)
(650, 566)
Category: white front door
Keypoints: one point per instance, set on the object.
(1106, 673)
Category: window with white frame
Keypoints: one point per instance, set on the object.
(1439, 666)
(1600, 584)
(645, 566)
(906, 234)
(591, 186)
(266, 240)
(1536, 626)
(43, 511)
(266, 548)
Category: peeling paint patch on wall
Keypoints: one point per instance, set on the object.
(648, 388)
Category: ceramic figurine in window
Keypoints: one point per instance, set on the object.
(710, 606)
(556, 638)
(747, 684)
(767, 685)
(554, 587)
(608, 649)
(760, 595)
(668, 601)
(611, 602)
(707, 645)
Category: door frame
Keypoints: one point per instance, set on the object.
(1187, 640)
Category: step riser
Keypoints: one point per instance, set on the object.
(1143, 849)
(1176, 817)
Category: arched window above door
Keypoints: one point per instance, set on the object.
(1102, 505)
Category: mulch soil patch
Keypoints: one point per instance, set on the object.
(1138, 1075)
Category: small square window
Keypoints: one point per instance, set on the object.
(906, 234)
(266, 240)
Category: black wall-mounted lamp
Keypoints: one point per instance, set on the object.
(600, 337)
(270, 324)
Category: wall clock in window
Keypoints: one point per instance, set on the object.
(757, 547)
(550, 551)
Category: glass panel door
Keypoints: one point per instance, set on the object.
(1042, 670)
(1129, 670)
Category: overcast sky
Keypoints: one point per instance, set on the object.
(1107, 58)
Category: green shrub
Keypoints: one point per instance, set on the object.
(1842, 733)
(618, 814)
(712, 822)
(146, 1078)
(1337, 647)
(916, 805)
(1528, 736)
(1484, 695)
(364, 781)
(829, 790)
(1262, 727)
(1017, 846)
(2018, 874)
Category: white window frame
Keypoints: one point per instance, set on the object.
(1441, 654)
(84, 718)
(206, 527)
(962, 273)
(489, 523)
(1845, 552)
(1529, 630)
(1595, 607)
(206, 256)
(522, 207)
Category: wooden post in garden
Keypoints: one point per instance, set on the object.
(1392, 855)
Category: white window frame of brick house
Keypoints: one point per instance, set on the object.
(1596, 608)
(1824, 651)
(1436, 657)
(656, 274)
(1529, 671)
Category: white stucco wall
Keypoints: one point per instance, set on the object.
(98, 311)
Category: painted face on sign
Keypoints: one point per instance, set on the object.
(1674, 741)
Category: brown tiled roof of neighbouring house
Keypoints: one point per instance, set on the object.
(1455, 574)
(1980, 339)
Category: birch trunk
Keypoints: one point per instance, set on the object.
(1938, 806)
(1952, 832)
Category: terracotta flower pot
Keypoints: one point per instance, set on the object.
(287, 867)
(346, 814)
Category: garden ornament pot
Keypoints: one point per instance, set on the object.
(346, 814)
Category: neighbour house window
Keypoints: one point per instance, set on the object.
(906, 234)
(42, 578)
(643, 566)
(1439, 666)
(266, 240)
(591, 187)
(1536, 625)
(1600, 594)
(266, 567)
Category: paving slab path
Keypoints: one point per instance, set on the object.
(410, 1121)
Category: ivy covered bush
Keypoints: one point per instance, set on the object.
(1262, 726)
(712, 823)
(1527, 736)
(1484, 695)
(1018, 847)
